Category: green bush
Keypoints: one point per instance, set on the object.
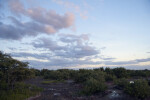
(139, 73)
(54, 75)
(109, 77)
(120, 72)
(3, 85)
(92, 86)
(98, 75)
(122, 83)
(1, 75)
(109, 71)
(139, 89)
(61, 74)
(82, 75)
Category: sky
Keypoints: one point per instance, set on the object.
(73, 34)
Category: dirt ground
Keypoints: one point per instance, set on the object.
(70, 91)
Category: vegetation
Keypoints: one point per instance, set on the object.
(93, 86)
(61, 74)
(110, 78)
(21, 91)
(52, 81)
(13, 72)
(120, 72)
(139, 89)
(94, 80)
(121, 83)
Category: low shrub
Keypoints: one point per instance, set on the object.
(139, 89)
(109, 77)
(92, 86)
(82, 75)
(122, 83)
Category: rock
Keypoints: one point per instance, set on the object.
(34, 97)
(70, 81)
(57, 94)
(51, 89)
(114, 94)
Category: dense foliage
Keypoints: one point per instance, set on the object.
(139, 89)
(13, 71)
(93, 85)
(94, 80)
(122, 83)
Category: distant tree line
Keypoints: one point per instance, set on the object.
(94, 80)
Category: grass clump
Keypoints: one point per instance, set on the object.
(52, 81)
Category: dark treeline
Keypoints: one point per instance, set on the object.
(13, 72)
(82, 75)
(95, 80)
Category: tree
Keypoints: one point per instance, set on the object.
(13, 70)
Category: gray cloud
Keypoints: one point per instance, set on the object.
(74, 46)
(10, 32)
(62, 53)
(47, 43)
(56, 63)
(136, 61)
(70, 38)
(43, 16)
(51, 18)
(69, 53)
(143, 60)
(18, 30)
(107, 58)
(34, 55)
(60, 63)
(42, 21)
(120, 62)
(52, 61)
(77, 46)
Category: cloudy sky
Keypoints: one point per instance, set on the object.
(77, 34)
